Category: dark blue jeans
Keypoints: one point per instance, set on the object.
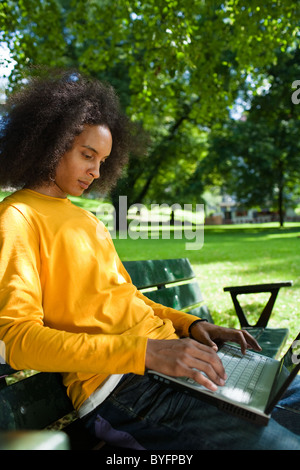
(142, 414)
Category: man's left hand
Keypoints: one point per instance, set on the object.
(210, 334)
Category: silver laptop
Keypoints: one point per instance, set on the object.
(254, 385)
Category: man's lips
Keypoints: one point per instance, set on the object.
(84, 184)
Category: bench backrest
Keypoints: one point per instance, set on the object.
(173, 284)
(39, 400)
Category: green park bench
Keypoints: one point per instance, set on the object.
(30, 407)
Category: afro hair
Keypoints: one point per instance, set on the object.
(43, 118)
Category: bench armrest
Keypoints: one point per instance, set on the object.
(273, 288)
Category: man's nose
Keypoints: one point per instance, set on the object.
(95, 171)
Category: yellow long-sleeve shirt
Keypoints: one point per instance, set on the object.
(67, 304)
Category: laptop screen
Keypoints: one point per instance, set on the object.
(289, 368)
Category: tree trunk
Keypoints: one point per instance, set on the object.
(280, 194)
(280, 206)
(174, 128)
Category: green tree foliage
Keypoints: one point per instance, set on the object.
(258, 157)
(177, 66)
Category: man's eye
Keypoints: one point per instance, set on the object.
(88, 157)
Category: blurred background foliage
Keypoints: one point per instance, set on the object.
(208, 84)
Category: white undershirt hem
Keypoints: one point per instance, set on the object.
(99, 395)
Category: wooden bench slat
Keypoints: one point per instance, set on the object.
(34, 403)
(178, 297)
(150, 273)
(5, 369)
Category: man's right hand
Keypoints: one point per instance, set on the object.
(186, 357)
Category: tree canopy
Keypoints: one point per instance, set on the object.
(257, 158)
(178, 67)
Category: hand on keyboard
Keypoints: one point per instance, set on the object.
(212, 335)
(186, 357)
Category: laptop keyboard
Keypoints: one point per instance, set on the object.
(242, 369)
